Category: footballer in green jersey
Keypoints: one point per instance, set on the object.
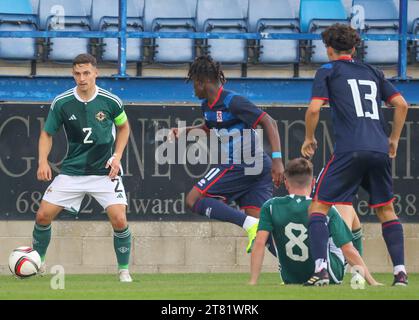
(97, 132)
(287, 219)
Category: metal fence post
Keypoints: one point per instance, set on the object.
(402, 67)
(122, 40)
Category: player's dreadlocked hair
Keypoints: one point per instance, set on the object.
(341, 37)
(204, 67)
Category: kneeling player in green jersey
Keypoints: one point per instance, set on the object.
(97, 131)
(287, 218)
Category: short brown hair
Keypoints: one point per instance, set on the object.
(299, 171)
(85, 58)
(341, 37)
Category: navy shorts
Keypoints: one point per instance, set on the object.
(341, 178)
(230, 183)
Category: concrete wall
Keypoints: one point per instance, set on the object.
(173, 247)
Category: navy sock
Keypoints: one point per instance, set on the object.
(318, 235)
(270, 245)
(393, 236)
(215, 209)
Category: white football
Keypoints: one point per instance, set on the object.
(24, 262)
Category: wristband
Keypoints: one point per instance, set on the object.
(276, 155)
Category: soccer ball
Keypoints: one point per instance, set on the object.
(24, 262)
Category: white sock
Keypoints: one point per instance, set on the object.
(320, 265)
(399, 268)
(249, 221)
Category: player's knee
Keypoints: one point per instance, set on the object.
(190, 201)
(119, 222)
(42, 218)
(386, 213)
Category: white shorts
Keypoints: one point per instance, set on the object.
(69, 191)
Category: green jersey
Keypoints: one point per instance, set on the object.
(287, 219)
(89, 127)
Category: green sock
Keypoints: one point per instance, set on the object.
(41, 237)
(122, 246)
(357, 240)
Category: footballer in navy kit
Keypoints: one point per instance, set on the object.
(363, 151)
(233, 118)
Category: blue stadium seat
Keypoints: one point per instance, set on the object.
(172, 16)
(224, 16)
(315, 16)
(274, 16)
(105, 18)
(412, 14)
(17, 17)
(413, 24)
(381, 17)
(65, 15)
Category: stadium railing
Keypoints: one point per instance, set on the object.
(403, 36)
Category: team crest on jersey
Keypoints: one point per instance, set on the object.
(219, 116)
(100, 116)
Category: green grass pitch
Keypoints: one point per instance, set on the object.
(195, 287)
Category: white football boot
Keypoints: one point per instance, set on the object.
(124, 276)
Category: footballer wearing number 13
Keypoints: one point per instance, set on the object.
(363, 152)
(97, 132)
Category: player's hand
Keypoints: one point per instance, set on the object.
(309, 148)
(277, 172)
(376, 284)
(175, 133)
(114, 163)
(44, 172)
(392, 150)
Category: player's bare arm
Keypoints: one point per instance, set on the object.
(258, 253)
(354, 259)
(270, 126)
(175, 133)
(122, 136)
(399, 118)
(311, 120)
(44, 172)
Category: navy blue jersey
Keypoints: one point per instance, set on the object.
(355, 92)
(234, 118)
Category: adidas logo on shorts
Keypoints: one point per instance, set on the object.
(73, 117)
(120, 196)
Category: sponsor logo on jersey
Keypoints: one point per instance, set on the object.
(72, 118)
(219, 116)
(100, 116)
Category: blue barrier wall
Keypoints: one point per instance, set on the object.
(175, 90)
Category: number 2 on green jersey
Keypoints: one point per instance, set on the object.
(88, 134)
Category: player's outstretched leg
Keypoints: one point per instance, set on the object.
(270, 244)
(394, 239)
(121, 239)
(218, 210)
(351, 219)
(41, 235)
